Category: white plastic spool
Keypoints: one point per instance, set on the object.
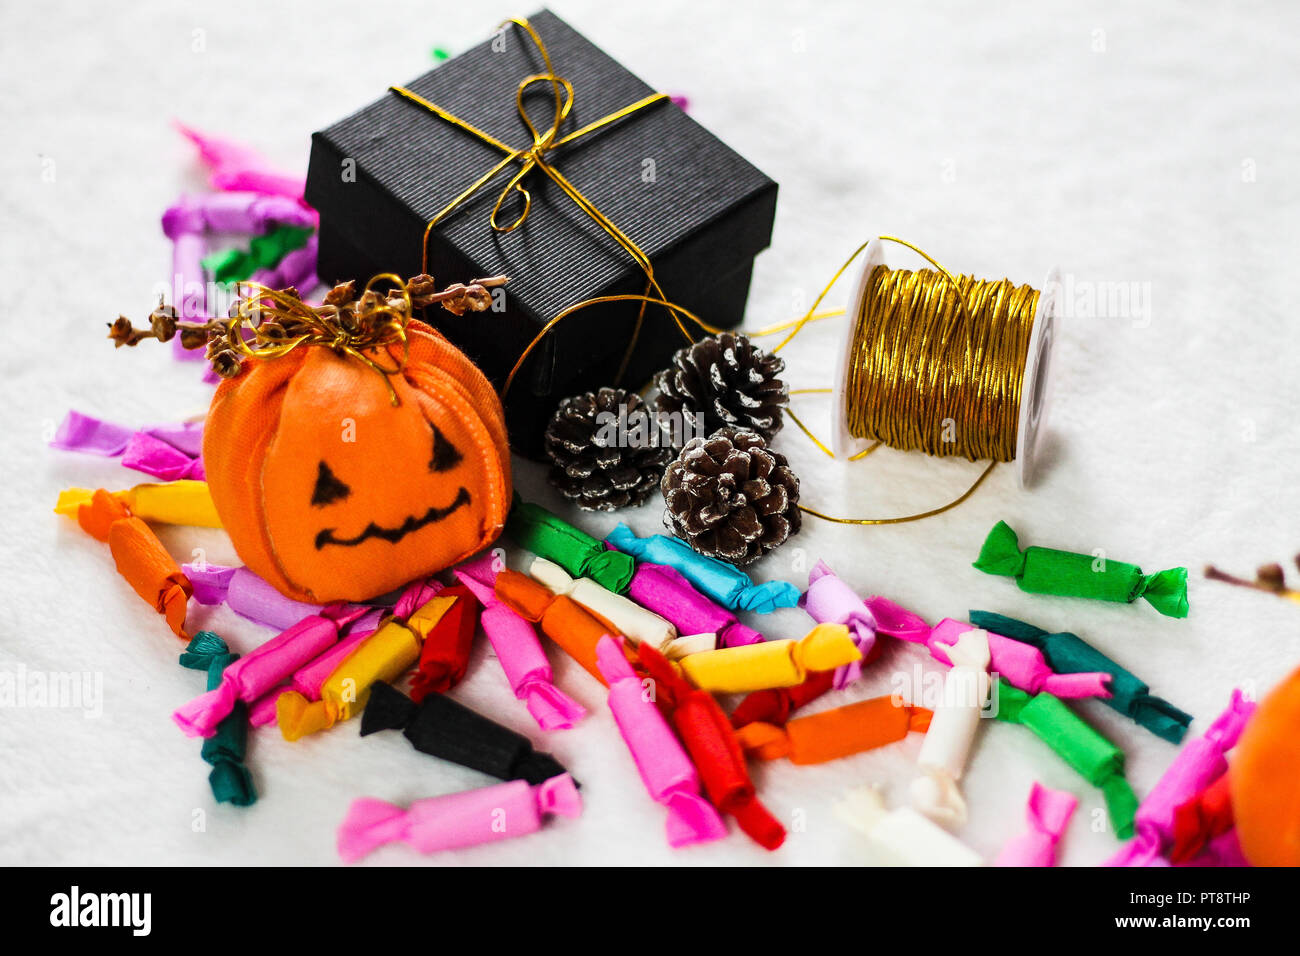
(1035, 391)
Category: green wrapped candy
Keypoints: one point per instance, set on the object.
(1096, 759)
(263, 252)
(547, 536)
(230, 780)
(1047, 571)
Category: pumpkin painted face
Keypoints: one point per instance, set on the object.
(340, 495)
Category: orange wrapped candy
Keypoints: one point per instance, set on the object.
(562, 619)
(140, 557)
(836, 733)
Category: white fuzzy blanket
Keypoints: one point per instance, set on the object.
(1149, 147)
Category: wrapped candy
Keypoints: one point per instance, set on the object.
(1197, 765)
(1067, 653)
(1094, 757)
(1022, 664)
(234, 167)
(224, 750)
(246, 594)
(724, 583)
(235, 212)
(713, 747)
(259, 671)
(668, 774)
(442, 727)
(561, 618)
(139, 555)
(309, 680)
(457, 820)
(297, 269)
(946, 747)
(775, 705)
(750, 667)
(664, 590)
(175, 502)
(388, 654)
(1204, 817)
(1048, 571)
(444, 656)
(829, 600)
(1049, 813)
(832, 734)
(582, 556)
(264, 252)
(903, 836)
(168, 452)
(520, 652)
(623, 615)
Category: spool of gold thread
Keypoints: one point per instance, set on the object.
(943, 364)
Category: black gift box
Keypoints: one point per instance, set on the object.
(696, 208)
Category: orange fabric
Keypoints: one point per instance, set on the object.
(1264, 778)
(562, 619)
(835, 733)
(274, 428)
(140, 557)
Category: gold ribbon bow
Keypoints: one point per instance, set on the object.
(535, 156)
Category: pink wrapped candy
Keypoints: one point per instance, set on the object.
(667, 772)
(1049, 813)
(526, 666)
(457, 820)
(1023, 665)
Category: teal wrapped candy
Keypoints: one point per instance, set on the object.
(1048, 571)
(1068, 653)
(230, 780)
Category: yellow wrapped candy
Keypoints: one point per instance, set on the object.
(184, 502)
(751, 667)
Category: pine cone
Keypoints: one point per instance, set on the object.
(607, 448)
(728, 381)
(731, 497)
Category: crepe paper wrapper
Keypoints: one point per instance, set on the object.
(516, 645)
(666, 592)
(1222, 850)
(296, 270)
(713, 748)
(457, 820)
(234, 212)
(175, 502)
(1198, 764)
(776, 705)
(152, 450)
(444, 655)
(263, 252)
(245, 593)
(138, 554)
(1094, 757)
(1067, 653)
(1048, 571)
(271, 664)
(575, 629)
(904, 836)
(1022, 664)
(310, 679)
(722, 582)
(622, 615)
(1049, 813)
(1201, 819)
(582, 556)
(666, 771)
(946, 748)
(444, 728)
(234, 167)
(385, 656)
(751, 667)
(832, 734)
(225, 750)
(829, 600)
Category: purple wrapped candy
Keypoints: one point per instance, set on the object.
(664, 590)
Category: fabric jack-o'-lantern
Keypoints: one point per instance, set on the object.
(331, 492)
